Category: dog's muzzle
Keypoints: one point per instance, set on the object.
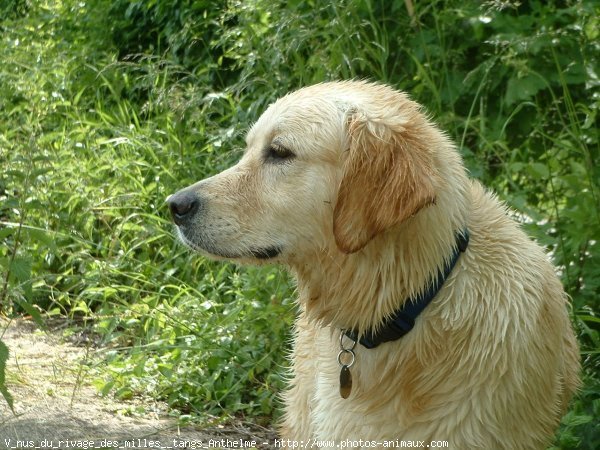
(185, 207)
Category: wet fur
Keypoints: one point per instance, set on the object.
(365, 214)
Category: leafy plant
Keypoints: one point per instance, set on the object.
(3, 390)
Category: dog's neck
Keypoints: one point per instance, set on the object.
(358, 291)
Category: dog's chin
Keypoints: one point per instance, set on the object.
(258, 254)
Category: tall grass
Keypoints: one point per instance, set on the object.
(93, 146)
(98, 127)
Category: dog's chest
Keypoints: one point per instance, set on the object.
(374, 410)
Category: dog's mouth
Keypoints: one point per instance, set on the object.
(266, 253)
(262, 253)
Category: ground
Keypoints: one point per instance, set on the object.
(54, 401)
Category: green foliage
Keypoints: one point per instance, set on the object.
(98, 127)
(11, 9)
(223, 353)
(92, 150)
(3, 390)
(181, 29)
(579, 427)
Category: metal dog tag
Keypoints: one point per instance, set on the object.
(345, 382)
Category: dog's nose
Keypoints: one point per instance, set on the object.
(183, 205)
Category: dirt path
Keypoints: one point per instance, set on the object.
(54, 402)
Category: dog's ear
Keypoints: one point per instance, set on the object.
(387, 178)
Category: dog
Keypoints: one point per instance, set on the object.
(425, 314)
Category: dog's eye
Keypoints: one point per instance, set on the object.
(277, 153)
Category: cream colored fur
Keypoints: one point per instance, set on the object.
(364, 214)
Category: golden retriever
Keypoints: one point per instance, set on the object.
(351, 186)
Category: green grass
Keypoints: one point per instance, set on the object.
(108, 107)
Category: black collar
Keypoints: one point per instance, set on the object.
(403, 320)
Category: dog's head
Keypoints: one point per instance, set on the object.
(331, 165)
